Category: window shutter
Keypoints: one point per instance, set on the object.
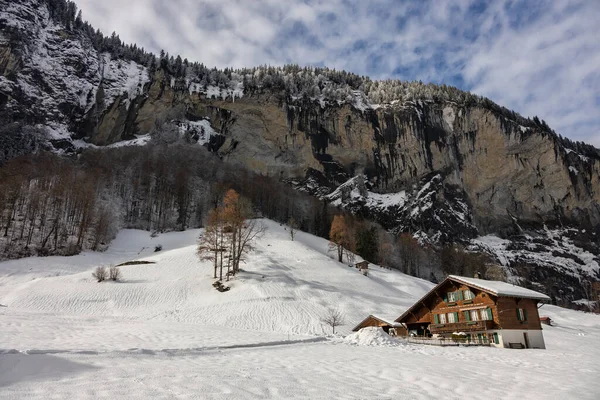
(460, 295)
(524, 315)
(467, 316)
(456, 317)
(445, 298)
(436, 319)
(490, 314)
(518, 315)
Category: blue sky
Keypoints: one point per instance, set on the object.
(534, 56)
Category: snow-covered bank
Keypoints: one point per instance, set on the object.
(165, 332)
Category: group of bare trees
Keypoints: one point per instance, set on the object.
(103, 273)
(349, 235)
(341, 239)
(56, 205)
(229, 234)
(48, 204)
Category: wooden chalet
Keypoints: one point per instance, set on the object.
(474, 310)
(494, 312)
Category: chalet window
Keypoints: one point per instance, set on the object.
(521, 314)
(442, 318)
(452, 317)
(452, 297)
(486, 314)
(474, 315)
(469, 295)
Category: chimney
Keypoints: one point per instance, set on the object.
(477, 275)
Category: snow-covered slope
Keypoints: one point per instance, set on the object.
(285, 287)
(165, 332)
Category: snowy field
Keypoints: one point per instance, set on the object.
(164, 332)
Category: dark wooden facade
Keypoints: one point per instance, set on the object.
(454, 307)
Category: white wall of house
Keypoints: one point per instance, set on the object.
(507, 336)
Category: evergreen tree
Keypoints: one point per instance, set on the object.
(367, 245)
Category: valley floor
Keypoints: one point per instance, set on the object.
(164, 332)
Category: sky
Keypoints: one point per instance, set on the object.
(536, 57)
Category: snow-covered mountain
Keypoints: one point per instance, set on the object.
(164, 331)
(440, 163)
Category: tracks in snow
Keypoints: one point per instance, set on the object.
(167, 352)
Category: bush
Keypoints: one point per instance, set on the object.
(100, 274)
(158, 247)
(115, 274)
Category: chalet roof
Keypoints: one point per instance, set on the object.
(497, 288)
(387, 320)
(501, 289)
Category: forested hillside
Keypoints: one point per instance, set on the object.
(53, 205)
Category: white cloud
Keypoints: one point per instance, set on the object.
(539, 58)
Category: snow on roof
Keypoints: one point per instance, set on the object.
(501, 288)
(387, 319)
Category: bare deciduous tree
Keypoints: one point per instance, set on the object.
(341, 239)
(211, 244)
(243, 230)
(100, 274)
(333, 318)
(293, 225)
(114, 274)
(409, 254)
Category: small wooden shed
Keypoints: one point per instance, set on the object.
(363, 267)
(386, 323)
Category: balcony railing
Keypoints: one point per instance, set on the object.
(449, 341)
(461, 326)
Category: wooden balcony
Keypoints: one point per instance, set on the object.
(448, 341)
(462, 326)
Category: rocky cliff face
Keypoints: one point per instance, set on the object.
(442, 169)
